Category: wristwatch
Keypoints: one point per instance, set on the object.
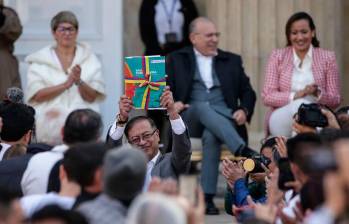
(119, 121)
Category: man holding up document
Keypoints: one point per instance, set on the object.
(142, 132)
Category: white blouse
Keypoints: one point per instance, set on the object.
(302, 73)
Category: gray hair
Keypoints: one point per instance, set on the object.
(64, 17)
(193, 24)
(155, 208)
(124, 172)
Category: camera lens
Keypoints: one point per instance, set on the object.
(249, 165)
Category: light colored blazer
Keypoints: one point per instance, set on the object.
(278, 77)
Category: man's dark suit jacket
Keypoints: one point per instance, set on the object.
(235, 84)
(170, 164)
(11, 172)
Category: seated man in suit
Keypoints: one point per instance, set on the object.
(142, 133)
(215, 97)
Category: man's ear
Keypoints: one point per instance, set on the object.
(27, 136)
(62, 173)
(192, 37)
(98, 178)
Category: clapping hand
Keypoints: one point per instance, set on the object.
(76, 73)
(232, 171)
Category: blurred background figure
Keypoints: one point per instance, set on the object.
(10, 209)
(10, 30)
(64, 75)
(343, 117)
(301, 72)
(156, 208)
(55, 214)
(164, 25)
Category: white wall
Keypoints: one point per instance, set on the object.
(100, 26)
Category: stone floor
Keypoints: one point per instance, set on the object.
(223, 217)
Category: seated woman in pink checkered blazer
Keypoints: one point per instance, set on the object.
(301, 72)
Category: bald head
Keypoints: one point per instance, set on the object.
(204, 36)
(195, 22)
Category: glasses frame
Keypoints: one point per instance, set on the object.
(145, 137)
(68, 30)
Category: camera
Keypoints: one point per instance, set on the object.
(254, 164)
(310, 115)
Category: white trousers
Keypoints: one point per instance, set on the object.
(281, 119)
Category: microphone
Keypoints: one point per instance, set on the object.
(15, 95)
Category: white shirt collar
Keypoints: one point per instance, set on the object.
(5, 147)
(60, 148)
(198, 54)
(153, 160)
(309, 55)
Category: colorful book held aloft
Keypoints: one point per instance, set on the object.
(145, 79)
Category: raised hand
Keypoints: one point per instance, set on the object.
(125, 106)
(166, 100)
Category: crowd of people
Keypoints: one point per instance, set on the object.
(56, 167)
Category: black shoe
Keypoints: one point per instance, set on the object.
(211, 209)
(246, 152)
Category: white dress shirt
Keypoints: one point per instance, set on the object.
(36, 176)
(178, 127)
(163, 13)
(150, 166)
(33, 203)
(302, 73)
(204, 64)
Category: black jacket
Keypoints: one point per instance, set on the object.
(235, 84)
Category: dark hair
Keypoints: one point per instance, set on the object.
(299, 16)
(137, 119)
(300, 146)
(82, 160)
(6, 199)
(312, 193)
(58, 213)
(342, 110)
(17, 120)
(82, 125)
(343, 117)
(270, 142)
(329, 135)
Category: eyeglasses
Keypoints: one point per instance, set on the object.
(137, 139)
(62, 29)
(210, 35)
